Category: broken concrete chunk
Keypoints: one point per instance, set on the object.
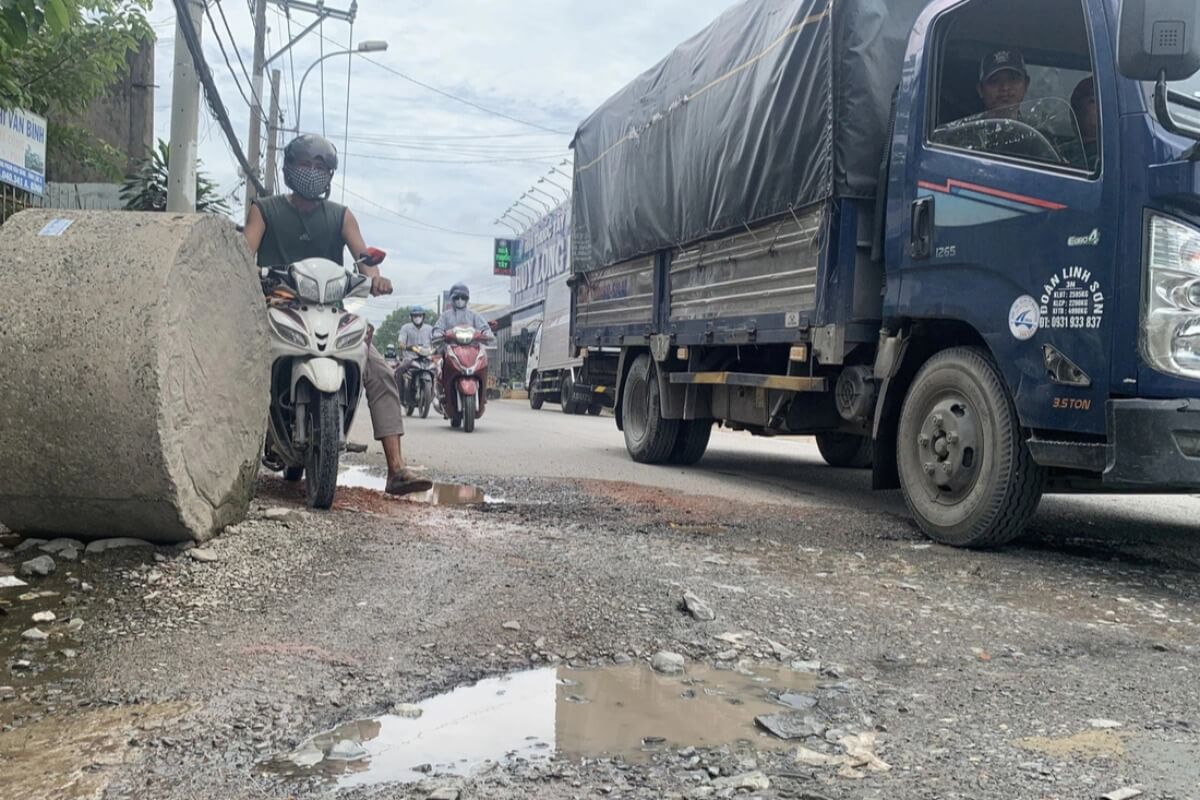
(791, 725)
(752, 781)
(56, 546)
(116, 543)
(1128, 793)
(283, 515)
(697, 608)
(38, 567)
(667, 663)
(29, 544)
(35, 635)
(11, 582)
(204, 555)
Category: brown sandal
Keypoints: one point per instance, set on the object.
(406, 482)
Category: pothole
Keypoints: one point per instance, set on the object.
(630, 711)
(442, 494)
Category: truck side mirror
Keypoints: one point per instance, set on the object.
(1157, 37)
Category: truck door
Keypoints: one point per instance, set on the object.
(1010, 195)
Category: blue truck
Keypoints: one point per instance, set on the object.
(957, 241)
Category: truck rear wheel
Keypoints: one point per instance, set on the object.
(649, 438)
(967, 476)
(845, 449)
(692, 441)
(536, 399)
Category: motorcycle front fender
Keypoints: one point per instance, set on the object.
(468, 387)
(325, 374)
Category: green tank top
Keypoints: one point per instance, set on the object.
(292, 236)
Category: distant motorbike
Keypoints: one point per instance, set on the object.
(416, 383)
(461, 392)
(318, 357)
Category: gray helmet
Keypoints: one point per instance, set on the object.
(460, 289)
(310, 147)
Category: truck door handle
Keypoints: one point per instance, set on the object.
(922, 229)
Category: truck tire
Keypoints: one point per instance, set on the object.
(595, 409)
(565, 387)
(966, 474)
(649, 438)
(692, 442)
(845, 449)
(536, 399)
(324, 449)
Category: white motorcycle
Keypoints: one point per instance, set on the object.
(318, 357)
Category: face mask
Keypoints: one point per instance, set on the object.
(418, 321)
(310, 183)
(460, 302)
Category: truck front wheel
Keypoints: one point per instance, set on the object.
(649, 438)
(845, 449)
(535, 397)
(965, 471)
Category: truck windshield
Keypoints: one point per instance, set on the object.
(1191, 88)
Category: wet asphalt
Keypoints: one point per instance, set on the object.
(1063, 666)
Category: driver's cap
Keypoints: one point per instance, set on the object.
(1000, 60)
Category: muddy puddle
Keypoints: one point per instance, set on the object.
(442, 494)
(627, 711)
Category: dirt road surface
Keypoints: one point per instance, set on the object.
(503, 649)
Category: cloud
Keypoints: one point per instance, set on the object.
(409, 151)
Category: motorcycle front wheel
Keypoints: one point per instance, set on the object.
(321, 465)
(426, 398)
(468, 409)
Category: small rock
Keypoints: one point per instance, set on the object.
(285, 515)
(40, 567)
(697, 608)
(346, 750)
(806, 666)
(445, 793)
(75, 625)
(726, 655)
(753, 781)
(1099, 724)
(782, 652)
(85, 587)
(118, 543)
(511, 625)
(68, 653)
(35, 635)
(22, 664)
(622, 658)
(790, 725)
(407, 710)
(667, 663)
(29, 544)
(44, 616)
(69, 554)
(183, 547)
(307, 756)
(203, 554)
(800, 702)
(56, 546)
(1127, 793)
(11, 582)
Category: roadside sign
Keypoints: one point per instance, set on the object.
(502, 256)
(23, 150)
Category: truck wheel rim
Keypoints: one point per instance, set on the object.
(949, 448)
(639, 408)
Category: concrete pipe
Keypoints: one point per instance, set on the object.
(133, 374)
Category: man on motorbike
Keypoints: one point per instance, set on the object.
(457, 316)
(284, 229)
(414, 334)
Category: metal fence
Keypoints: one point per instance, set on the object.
(85, 196)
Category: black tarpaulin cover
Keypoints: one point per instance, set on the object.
(776, 105)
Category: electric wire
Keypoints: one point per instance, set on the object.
(232, 72)
(414, 220)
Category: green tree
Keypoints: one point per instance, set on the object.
(389, 330)
(60, 55)
(146, 188)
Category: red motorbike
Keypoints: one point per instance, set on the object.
(462, 377)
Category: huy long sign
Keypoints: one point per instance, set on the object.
(544, 253)
(23, 150)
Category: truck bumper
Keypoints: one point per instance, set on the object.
(1153, 445)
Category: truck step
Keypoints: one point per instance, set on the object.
(783, 383)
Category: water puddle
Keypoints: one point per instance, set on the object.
(617, 711)
(442, 494)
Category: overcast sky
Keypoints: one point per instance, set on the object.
(419, 154)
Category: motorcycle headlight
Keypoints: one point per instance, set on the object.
(334, 290)
(308, 289)
(1171, 321)
(288, 333)
(350, 339)
(464, 337)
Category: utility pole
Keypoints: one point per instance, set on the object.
(273, 134)
(185, 114)
(254, 145)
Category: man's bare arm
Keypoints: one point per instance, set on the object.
(256, 228)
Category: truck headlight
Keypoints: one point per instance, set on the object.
(1171, 325)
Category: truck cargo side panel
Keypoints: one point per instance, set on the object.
(615, 302)
(770, 270)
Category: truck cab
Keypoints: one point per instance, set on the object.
(1007, 304)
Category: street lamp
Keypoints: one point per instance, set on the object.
(566, 192)
(507, 224)
(543, 191)
(537, 200)
(536, 214)
(369, 46)
(521, 214)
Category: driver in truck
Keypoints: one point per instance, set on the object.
(284, 229)
(1003, 83)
